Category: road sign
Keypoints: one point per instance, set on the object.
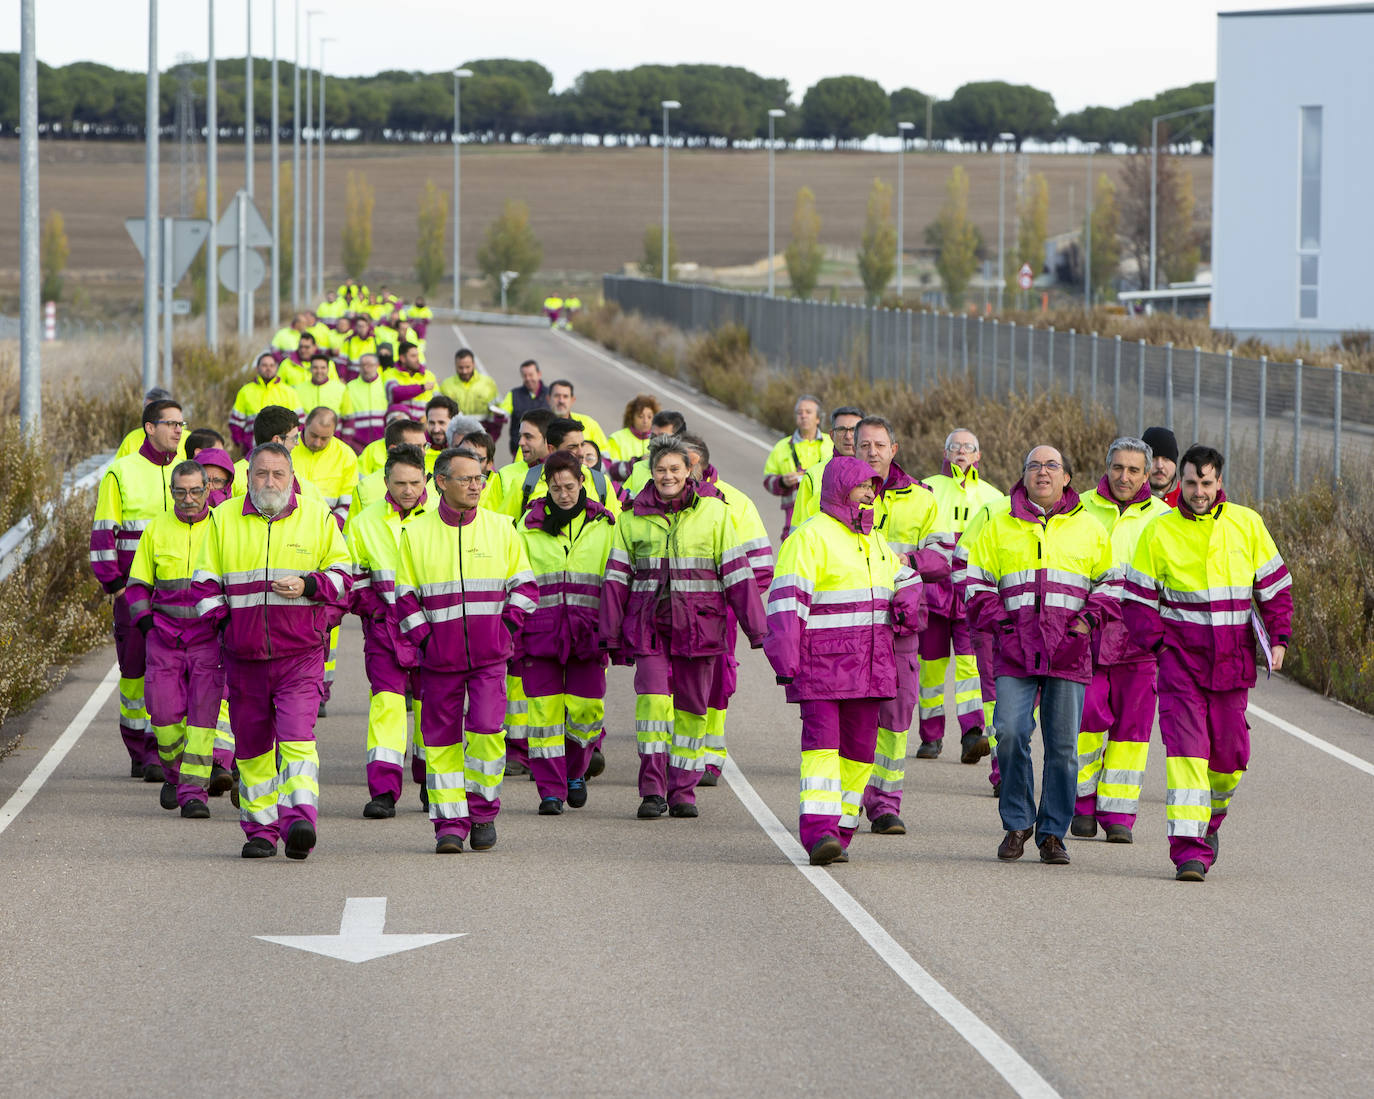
(360, 937)
(229, 270)
(256, 233)
(188, 234)
(181, 307)
(1025, 277)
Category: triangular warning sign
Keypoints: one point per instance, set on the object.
(256, 233)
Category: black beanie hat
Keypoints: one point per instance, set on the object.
(1162, 442)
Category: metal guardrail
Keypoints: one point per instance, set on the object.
(512, 320)
(1300, 422)
(22, 540)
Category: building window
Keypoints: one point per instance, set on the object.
(1309, 211)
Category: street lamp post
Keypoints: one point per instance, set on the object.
(152, 121)
(459, 75)
(1088, 238)
(1002, 218)
(773, 115)
(212, 188)
(275, 311)
(30, 350)
(319, 205)
(296, 163)
(1154, 173)
(902, 128)
(667, 105)
(249, 125)
(308, 225)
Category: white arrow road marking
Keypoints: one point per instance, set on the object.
(360, 937)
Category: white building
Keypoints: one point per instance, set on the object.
(1293, 218)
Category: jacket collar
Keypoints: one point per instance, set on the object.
(1022, 508)
(198, 517)
(274, 380)
(453, 517)
(950, 470)
(649, 502)
(1214, 513)
(897, 478)
(157, 457)
(534, 515)
(1104, 489)
(418, 509)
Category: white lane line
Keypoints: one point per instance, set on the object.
(463, 342)
(695, 409)
(989, 1045)
(54, 755)
(1307, 738)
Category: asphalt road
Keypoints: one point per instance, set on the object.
(603, 953)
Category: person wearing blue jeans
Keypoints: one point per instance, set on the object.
(1040, 579)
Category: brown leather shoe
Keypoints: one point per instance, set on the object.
(1014, 845)
(1052, 851)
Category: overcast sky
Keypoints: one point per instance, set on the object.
(1083, 52)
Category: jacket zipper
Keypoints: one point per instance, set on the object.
(463, 589)
(267, 591)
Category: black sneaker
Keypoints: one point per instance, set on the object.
(652, 807)
(323, 711)
(221, 781)
(1192, 870)
(683, 809)
(929, 749)
(973, 747)
(195, 809)
(826, 850)
(167, 796)
(382, 807)
(843, 856)
(135, 770)
(483, 836)
(448, 845)
(153, 773)
(258, 848)
(424, 797)
(1213, 841)
(550, 807)
(300, 838)
(1120, 833)
(577, 793)
(234, 786)
(888, 824)
(1083, 825)
(997, 789)
(596, 764)
(709, 778)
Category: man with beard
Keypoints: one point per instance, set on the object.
(1164, 467)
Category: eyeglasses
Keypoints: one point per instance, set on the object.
(841, 431)
(184, 493)
(961, 448)
(475, 479)
(169, 423)
(1048, 467)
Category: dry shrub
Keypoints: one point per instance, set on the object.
(654, 344)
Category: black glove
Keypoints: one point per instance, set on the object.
(145, 625)
(783, 680)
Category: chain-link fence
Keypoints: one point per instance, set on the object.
(1280, 424)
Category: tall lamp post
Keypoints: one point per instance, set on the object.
(30, 351)
(1088, 237)
(1002, 218)
(459, 75)
(773, 115)
(308, 225)
(1154, 173)
(211, 187)
(319, 211)
(902, 128)
(275, 310)
(296, 163)
(667, 105)
(152, 120)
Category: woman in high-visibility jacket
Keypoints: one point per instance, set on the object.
(676, 565)
(568, 539)
(632, 440)
(839, 596)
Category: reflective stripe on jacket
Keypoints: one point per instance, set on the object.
(793, 455)
(1190, 585)
(569, 568)
(1031, 575)
(161, 575)
(1124, 526)
(463, 587)
(473, 396)
(373, 536)
(362, 412)
(251, 399)
(904, 511)
(333, 470)
(244, 552)
(133, 491)
(621, 451)
(410, 391)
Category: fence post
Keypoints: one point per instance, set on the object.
(1297, 426)
(1030, 360)
(1073, 360)
(906, 376)
(921, 348)
(1092, 388)
(1011, 360)
(1140, 392)
(1169, 385)
(1336, 418)
(1263, 408)
(1049, 361)
(963, 343)
(949, 320)
(1116, 384)
(1197, 393)
(1226, 430)
(996, 328)
(979, 369)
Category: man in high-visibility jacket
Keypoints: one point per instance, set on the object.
(1041, 578)
(360, 341)
(463, 589)
(275, 571)
(362, 409)
(560, 434)
(753, 538)
(134, 440)
(1164, 481)
(409, 386)
(469, 387)
(371, 487)
(1119, 708)
(374, 536)
(266, 388)
(185, 675)
(843, 423)
(332, 308)
(530, 394)
(572, 305)
(321, 458)
(439, 413)
(790, 459)
(905, 513)
(322, 387)
(1189, 590)
(133, 491)
(553, 309)
(562, 398)
(294, 369)
(839, 597)
(418, 316)
(959, 492)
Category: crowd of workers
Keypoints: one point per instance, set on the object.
(493, 599)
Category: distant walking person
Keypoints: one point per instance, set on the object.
(789, 460)
(275, 569)
(1189, 592)
(1041, 578)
